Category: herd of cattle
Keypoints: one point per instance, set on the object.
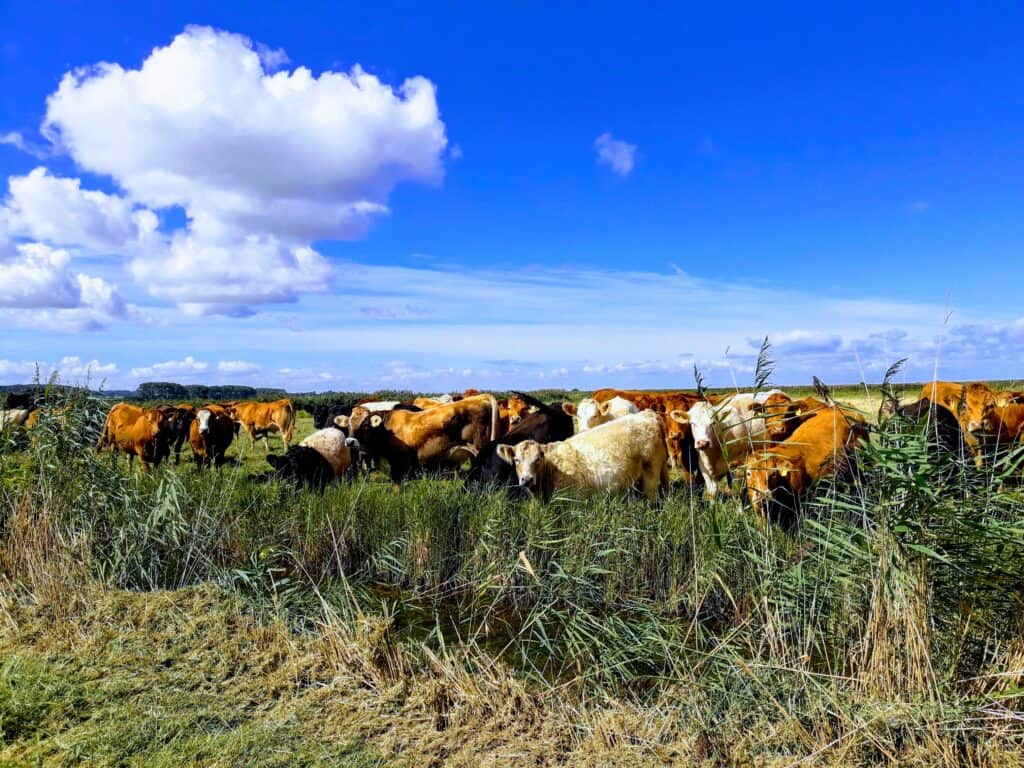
(614, 441)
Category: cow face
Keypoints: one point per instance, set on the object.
(975, 401)
(517, 410)
(527, 457)
(768, 474)
(203, 419)
(676, 433)
(988, 422)
(701, 419)
(777, 410)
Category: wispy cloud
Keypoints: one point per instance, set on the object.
(618, 155)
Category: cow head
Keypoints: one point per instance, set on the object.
(778, 411)
(528, 459)
(769, 474)
(976, 406)
(701, 420)
(203, 417)
(676, 433)
(517, 410)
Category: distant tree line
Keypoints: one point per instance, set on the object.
(169, 390)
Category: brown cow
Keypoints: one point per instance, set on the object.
(210, 434)
(260, 419)
(135, 431)
(969, 402)
(443, 435)
(820, 447)
(1002, 426)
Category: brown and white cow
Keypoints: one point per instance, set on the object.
(210, 435)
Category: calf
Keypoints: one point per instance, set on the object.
(820, 447)
(612, 458)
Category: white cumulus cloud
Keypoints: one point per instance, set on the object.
(57, 210)
(618, 155)
(186, 367)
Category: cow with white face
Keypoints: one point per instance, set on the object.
(590, 413)
(724, 434)
(612, 458)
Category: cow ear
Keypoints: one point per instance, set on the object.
(507, 453)
(680, 417)
(569, 408)
(757, 407)
(376, 420)
(341, 421)
(783, 471)
(604, 408)
(799, 412)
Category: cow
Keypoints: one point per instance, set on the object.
(1002, 426)
(443, 435)
(612, 458)
(723, 435)
(19, 401)
(821, 447)
(942, 428)
(590, 413)
(210, 435)
(178, 424)
(544, 425)
(260, 419)
(319, 459)
(969, 402)
(14, 417)
(134, 431)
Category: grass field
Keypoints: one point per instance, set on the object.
(219, 618)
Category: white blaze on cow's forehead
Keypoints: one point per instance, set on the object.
(203, 417)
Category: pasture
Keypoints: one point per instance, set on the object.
(226, 618)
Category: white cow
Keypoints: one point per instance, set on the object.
(613, 457)
(590, 413)
(724, 434)
(13, 417)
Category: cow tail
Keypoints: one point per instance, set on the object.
(494, 416)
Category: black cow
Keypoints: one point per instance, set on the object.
(25, 400)
(303, 465)
(546, 424)
(943, 428)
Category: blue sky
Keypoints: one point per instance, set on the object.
(384, 195)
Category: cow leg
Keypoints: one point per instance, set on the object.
(650, 482)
